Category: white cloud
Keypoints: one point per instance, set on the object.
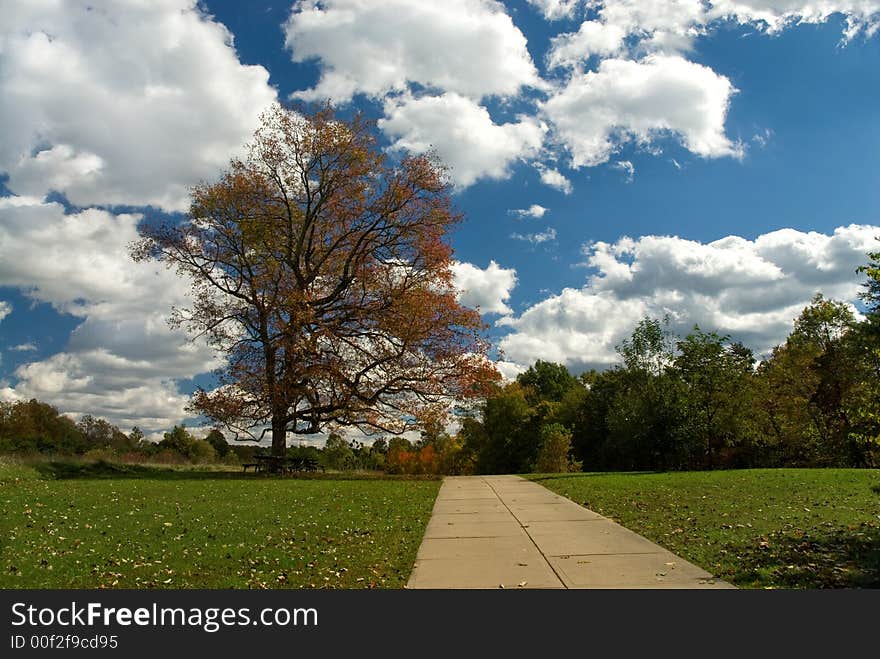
(671, 26)
(861, 15)
(122, 361)
(593, 38)
(751, 289)
(485, 288)
(597, 111)
(536, 238)
(554, 178)
(661, 25)
(534, 211)
(627, 168)
(24, 347)
(5, 309)
(463, 135)
(577, 328)
(509, 370)
(114, 102)
(470, 47)
(555, 9)
(103, 385)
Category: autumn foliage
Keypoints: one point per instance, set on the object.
(321, 271)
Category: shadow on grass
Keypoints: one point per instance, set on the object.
(836, 558)
(101, 469)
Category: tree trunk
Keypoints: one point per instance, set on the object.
(279, 436)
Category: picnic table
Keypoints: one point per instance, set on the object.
(281, 464)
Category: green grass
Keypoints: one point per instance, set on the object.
(762, 528)
(100, 526)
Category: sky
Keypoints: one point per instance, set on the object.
(717, 161)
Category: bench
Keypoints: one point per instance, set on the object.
(283, 465)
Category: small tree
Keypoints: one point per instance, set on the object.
(553, 454)
(322, 275)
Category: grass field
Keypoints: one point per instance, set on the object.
(147, 528)
(780, 528)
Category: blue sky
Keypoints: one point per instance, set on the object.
(717, 161)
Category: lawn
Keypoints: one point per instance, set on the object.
(762, 528)
(171, 529)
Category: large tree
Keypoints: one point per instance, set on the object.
(321, 271)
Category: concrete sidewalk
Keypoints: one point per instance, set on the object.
(507, 532)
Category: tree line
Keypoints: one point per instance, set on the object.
(700, 401)
(697, 402)
(34, 427)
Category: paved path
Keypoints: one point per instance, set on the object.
(505, 531)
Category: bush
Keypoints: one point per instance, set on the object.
(100, 455)
(553, 454)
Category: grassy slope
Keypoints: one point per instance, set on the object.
(783, 528)
(208, 532)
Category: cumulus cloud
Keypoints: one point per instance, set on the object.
(555, 9)
(463, 135)
(534, 211)
(553, 178)
(487, 289)
(660, 25)
(374, 47)
(635, 28)
(123, 361)
(593, 38)
(624, 100)
(509, 370)
(5, 309)
(750, 289)
(114, 102)
(546, 236)
(774, 15)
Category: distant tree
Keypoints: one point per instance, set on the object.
(811, 385)
(36, 426)
(645, 413)
(217, 440)
(715, 374)
(864, 402)
(399, 456)
(201, 452)
(547, 381)
(823, 331)
(338, 454)
(322, 274)
(871, 294)
(136, 437)
(98, 433)
(650, 348)
(591, 436)
(177, 439)
(511, 442)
